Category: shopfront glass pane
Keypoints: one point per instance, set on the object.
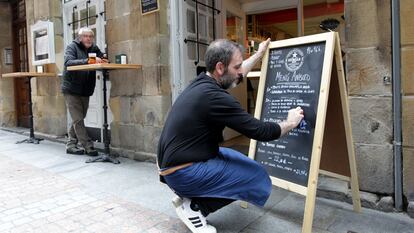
(92, 15)
(191, 49)
(191, 21)
(202, 25)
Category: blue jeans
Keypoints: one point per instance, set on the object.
(230, 175)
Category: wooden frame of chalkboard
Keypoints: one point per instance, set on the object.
(308, 72)
(149, 6)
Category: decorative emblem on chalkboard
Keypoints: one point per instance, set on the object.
(294, 60)
(302, 125)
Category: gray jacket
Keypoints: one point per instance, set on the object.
(80, 83)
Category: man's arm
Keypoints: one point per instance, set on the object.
(249, 63)
(71, 59)
(293, 119)
(99, 56)
(226, 110)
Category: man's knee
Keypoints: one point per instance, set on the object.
(77, 120)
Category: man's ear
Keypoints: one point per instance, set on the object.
(220, 68)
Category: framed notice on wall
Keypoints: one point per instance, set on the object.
(149, 6)
(43, 43)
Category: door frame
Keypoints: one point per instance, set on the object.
(100, 41)
(20, 24)
(178, 51)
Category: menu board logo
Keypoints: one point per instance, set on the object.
(294, 60)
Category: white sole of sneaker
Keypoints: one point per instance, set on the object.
(191, 226)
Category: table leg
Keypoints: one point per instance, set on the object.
(32, 138)
(106, 156)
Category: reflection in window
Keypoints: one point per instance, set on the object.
(92, 15)
(190, 21)
(83, 18)
(203, 49)
(202, 25)
(75, 18)
(210, 27)
(191, 49)
(201, 7)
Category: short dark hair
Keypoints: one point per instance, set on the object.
(220, 50)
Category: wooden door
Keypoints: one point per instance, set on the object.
(22, 91)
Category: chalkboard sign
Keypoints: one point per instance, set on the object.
(293, 79)
(307, 72)
(149, 6)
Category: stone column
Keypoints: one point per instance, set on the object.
(407, 75)
(7, 97)
(139, 99)
(368, 35)
(48, 103)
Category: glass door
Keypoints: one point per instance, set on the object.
(193, 28)
(89, 13)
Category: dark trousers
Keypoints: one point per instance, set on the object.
(78, 108)
(208, 205)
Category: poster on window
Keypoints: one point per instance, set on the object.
(43, 43)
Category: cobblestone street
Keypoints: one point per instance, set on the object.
(33, 200)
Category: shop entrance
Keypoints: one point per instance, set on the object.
(89, 13)
(195, 23)
(277, 20)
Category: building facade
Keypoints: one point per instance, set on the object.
(170, 44)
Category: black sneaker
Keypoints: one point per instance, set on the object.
(75, 151)
(91, 151)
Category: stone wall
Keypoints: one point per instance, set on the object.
(407, 75)
(7, 98)
(141, 98)
(48, 103)
(368, 35)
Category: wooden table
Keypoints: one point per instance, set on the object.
(102, 68)
(29, 76)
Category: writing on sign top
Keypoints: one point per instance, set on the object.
(149, 6)
(293, 79)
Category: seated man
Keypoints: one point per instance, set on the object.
(204, 176)
(77, 87)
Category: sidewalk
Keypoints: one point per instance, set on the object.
(45, 190)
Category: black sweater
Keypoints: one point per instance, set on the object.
(194, 127)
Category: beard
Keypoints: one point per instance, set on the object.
(227, 81)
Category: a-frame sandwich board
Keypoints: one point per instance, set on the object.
(307, 72)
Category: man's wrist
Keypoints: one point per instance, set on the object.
(289, 125)
(286, 126)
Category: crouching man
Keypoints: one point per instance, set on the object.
(207, 177)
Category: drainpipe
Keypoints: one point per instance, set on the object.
(301, 27)
(396, 99)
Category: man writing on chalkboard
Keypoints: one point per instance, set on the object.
(207, 177)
